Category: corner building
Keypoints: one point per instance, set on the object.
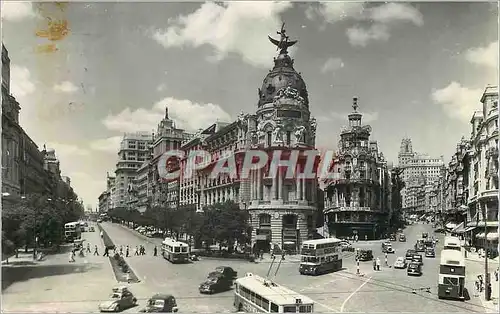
(357, 199)
(283, 210)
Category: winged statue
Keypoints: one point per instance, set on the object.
(283, 44)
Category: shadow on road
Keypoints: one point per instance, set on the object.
(12, 274)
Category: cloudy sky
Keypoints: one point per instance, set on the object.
(102, 69)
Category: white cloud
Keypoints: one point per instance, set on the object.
(234, 27)
(161, 87)
(332, 65)
(186, 114)
(108, 145)
(65, 87)
(21, 84)
(17, 10)
(382, 18)
(457, 101)
(486, 56)
(361, 37)
(367, 116)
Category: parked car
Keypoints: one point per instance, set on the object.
(402, 238)
(414, 269)
(226, 271)
(120, 299)
(400, 263)
(425, 235)
(392, 237)
(365, 255)
(430, 253)
(215, 283)
(161, 303)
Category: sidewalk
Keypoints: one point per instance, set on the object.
(55, 285)
(474, 267)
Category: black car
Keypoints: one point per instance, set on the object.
(417, 258)
(425, 235)
(226, 271)
(161, 303)
(392, 237)
(365, 255)
(402, 238)
(414, 269)
(409, 255)
(430, 253)
(216, 283)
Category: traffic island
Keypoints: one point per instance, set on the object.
(123, 273)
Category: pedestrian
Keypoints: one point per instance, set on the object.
(127, 252)
(261, 254)
(385, 260)
(96, 252)
(106, 252)
(121, 250)
(136, 251)
(155, 251)
(102, 234)
(374, 264)
(366, 238)
(496, 274)
(143, 250)
(480, 278)
(283, 256)
(88, 248)
(357, 267)
(476, 291)
(378, 263)
(72, 256)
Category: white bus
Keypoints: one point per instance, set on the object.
(254, 294)
(452, 243)
(451, 275)
(320, 256)
(72, 231)
(175, 251)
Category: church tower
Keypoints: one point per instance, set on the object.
(283, 209)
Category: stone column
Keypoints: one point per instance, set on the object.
(259, 184)
(280, 184)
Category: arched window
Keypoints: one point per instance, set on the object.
(269, 138)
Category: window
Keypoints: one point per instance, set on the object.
(289, 137)
(289, 309)
(269, 138)
(274, 308)
(305, 309)
(177, 250)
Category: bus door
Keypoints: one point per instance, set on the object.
(461, 286)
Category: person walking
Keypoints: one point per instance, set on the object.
(72, 256)
(374, 264)
(155, 251)
(136, 251)
(378, 263)
(143, 248)
(102, 234)
(121, 250)
(96, 251)
(385, 260)
(496, 274)
(127, 252)
(476, 291)
(357, 267)
(106, 252)
(88, 248)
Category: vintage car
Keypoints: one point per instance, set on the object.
(417, 258)
(414, 269)
(364, 255)
(409, 255)
(387, 247)
(91, 229)
(425, 235)
(120, 299)
(226, 271)
(430, 252)
(215, 283)
(402, 238)
(161, 303)
(400, 263)
(392, 237)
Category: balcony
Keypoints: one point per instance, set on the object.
(489, 194)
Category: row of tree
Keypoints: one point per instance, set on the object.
(223, 223)
(37, 220)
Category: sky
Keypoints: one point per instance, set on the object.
(86, 72)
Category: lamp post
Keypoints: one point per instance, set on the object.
(487, 293)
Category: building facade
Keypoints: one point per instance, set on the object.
(358, 199)
(134, 151)
(482, 213)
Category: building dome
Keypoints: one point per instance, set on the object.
(282, 75)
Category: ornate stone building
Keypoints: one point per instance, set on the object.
(358, 199)
(283, 210)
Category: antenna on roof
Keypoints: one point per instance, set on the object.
(279, 264)
(270, 267)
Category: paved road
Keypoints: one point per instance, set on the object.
(386, 291)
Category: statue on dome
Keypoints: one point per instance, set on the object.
(299, 133)
(278, 133)
(282, 44)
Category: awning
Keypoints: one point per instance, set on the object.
(451, 225)
(262, 237)
(459, 229)
(492, 236)
(480, 235)
(470, 228)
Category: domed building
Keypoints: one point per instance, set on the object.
(283, 210)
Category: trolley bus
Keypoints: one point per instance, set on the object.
(320, 256)
(254, 294)
(175, 251)
(72, 231)
(452, 243)
(451, 275)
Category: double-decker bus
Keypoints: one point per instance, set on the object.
(254, 294)
(451, 275)
(175, 251)
(452, 243)
(320, 256)
(72, 231)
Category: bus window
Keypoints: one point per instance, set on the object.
(305, 309)
(289, 309)
(274, 308)
(184, 249)
(177, 249)
(265, 304)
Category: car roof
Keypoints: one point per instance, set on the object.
(161, 296)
